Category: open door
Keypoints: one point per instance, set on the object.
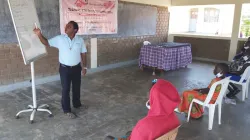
(193, 19)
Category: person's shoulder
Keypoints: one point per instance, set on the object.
(62, 36)
(142, 128)
(59, 36)
(144, 123)
(141, 123)
(78, 37)
(215, 80)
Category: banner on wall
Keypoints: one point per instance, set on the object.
(92, 16)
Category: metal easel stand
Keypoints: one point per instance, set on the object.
(33, 108)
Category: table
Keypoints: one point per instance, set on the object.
(166, 56)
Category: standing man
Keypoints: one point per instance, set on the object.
(72, 51)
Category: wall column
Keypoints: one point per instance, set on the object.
(93, 51)
(235, 31)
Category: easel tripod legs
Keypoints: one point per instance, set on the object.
(42, 108)
(33, 108)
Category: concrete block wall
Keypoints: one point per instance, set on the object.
(110, 51)
(214, 49)
(13, 69)
(114, 50)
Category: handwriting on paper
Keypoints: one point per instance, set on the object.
(24, 16)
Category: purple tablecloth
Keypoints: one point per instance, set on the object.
(166, 56)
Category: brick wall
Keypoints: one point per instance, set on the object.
(12, 68)
(114, 50)
(217, 49)
(110, 50)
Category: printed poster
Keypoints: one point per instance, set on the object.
(92, 16)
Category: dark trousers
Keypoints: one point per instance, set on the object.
(232, 87)
(70, 75)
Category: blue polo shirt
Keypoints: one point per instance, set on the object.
(69, 50)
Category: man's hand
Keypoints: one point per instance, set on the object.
(84, 71)
(44, 40)
(37, 31)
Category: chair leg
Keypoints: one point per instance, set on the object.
(247, 86)
(219, 113)
(211, 116)
(189, 111)
(243, 92)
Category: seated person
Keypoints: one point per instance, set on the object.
(201, 94)
(236, 75)
(243, 49)
(164, 98)
(238, 64)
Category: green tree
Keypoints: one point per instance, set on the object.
(245, 28)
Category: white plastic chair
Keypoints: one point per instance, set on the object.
(224, 85)
(244, 82)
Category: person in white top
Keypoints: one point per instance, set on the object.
(72, 57)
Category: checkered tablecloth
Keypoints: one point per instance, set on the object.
(166, 56)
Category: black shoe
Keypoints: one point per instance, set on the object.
(230, 96)
(81, 106)
(77, 107)
(236, 92)
(109, 138)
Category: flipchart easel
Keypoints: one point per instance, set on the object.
(31, 108)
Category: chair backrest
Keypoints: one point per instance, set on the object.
(224, 85)
(245, 75)
(171, 135)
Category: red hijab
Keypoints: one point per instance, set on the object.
(164, 98)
